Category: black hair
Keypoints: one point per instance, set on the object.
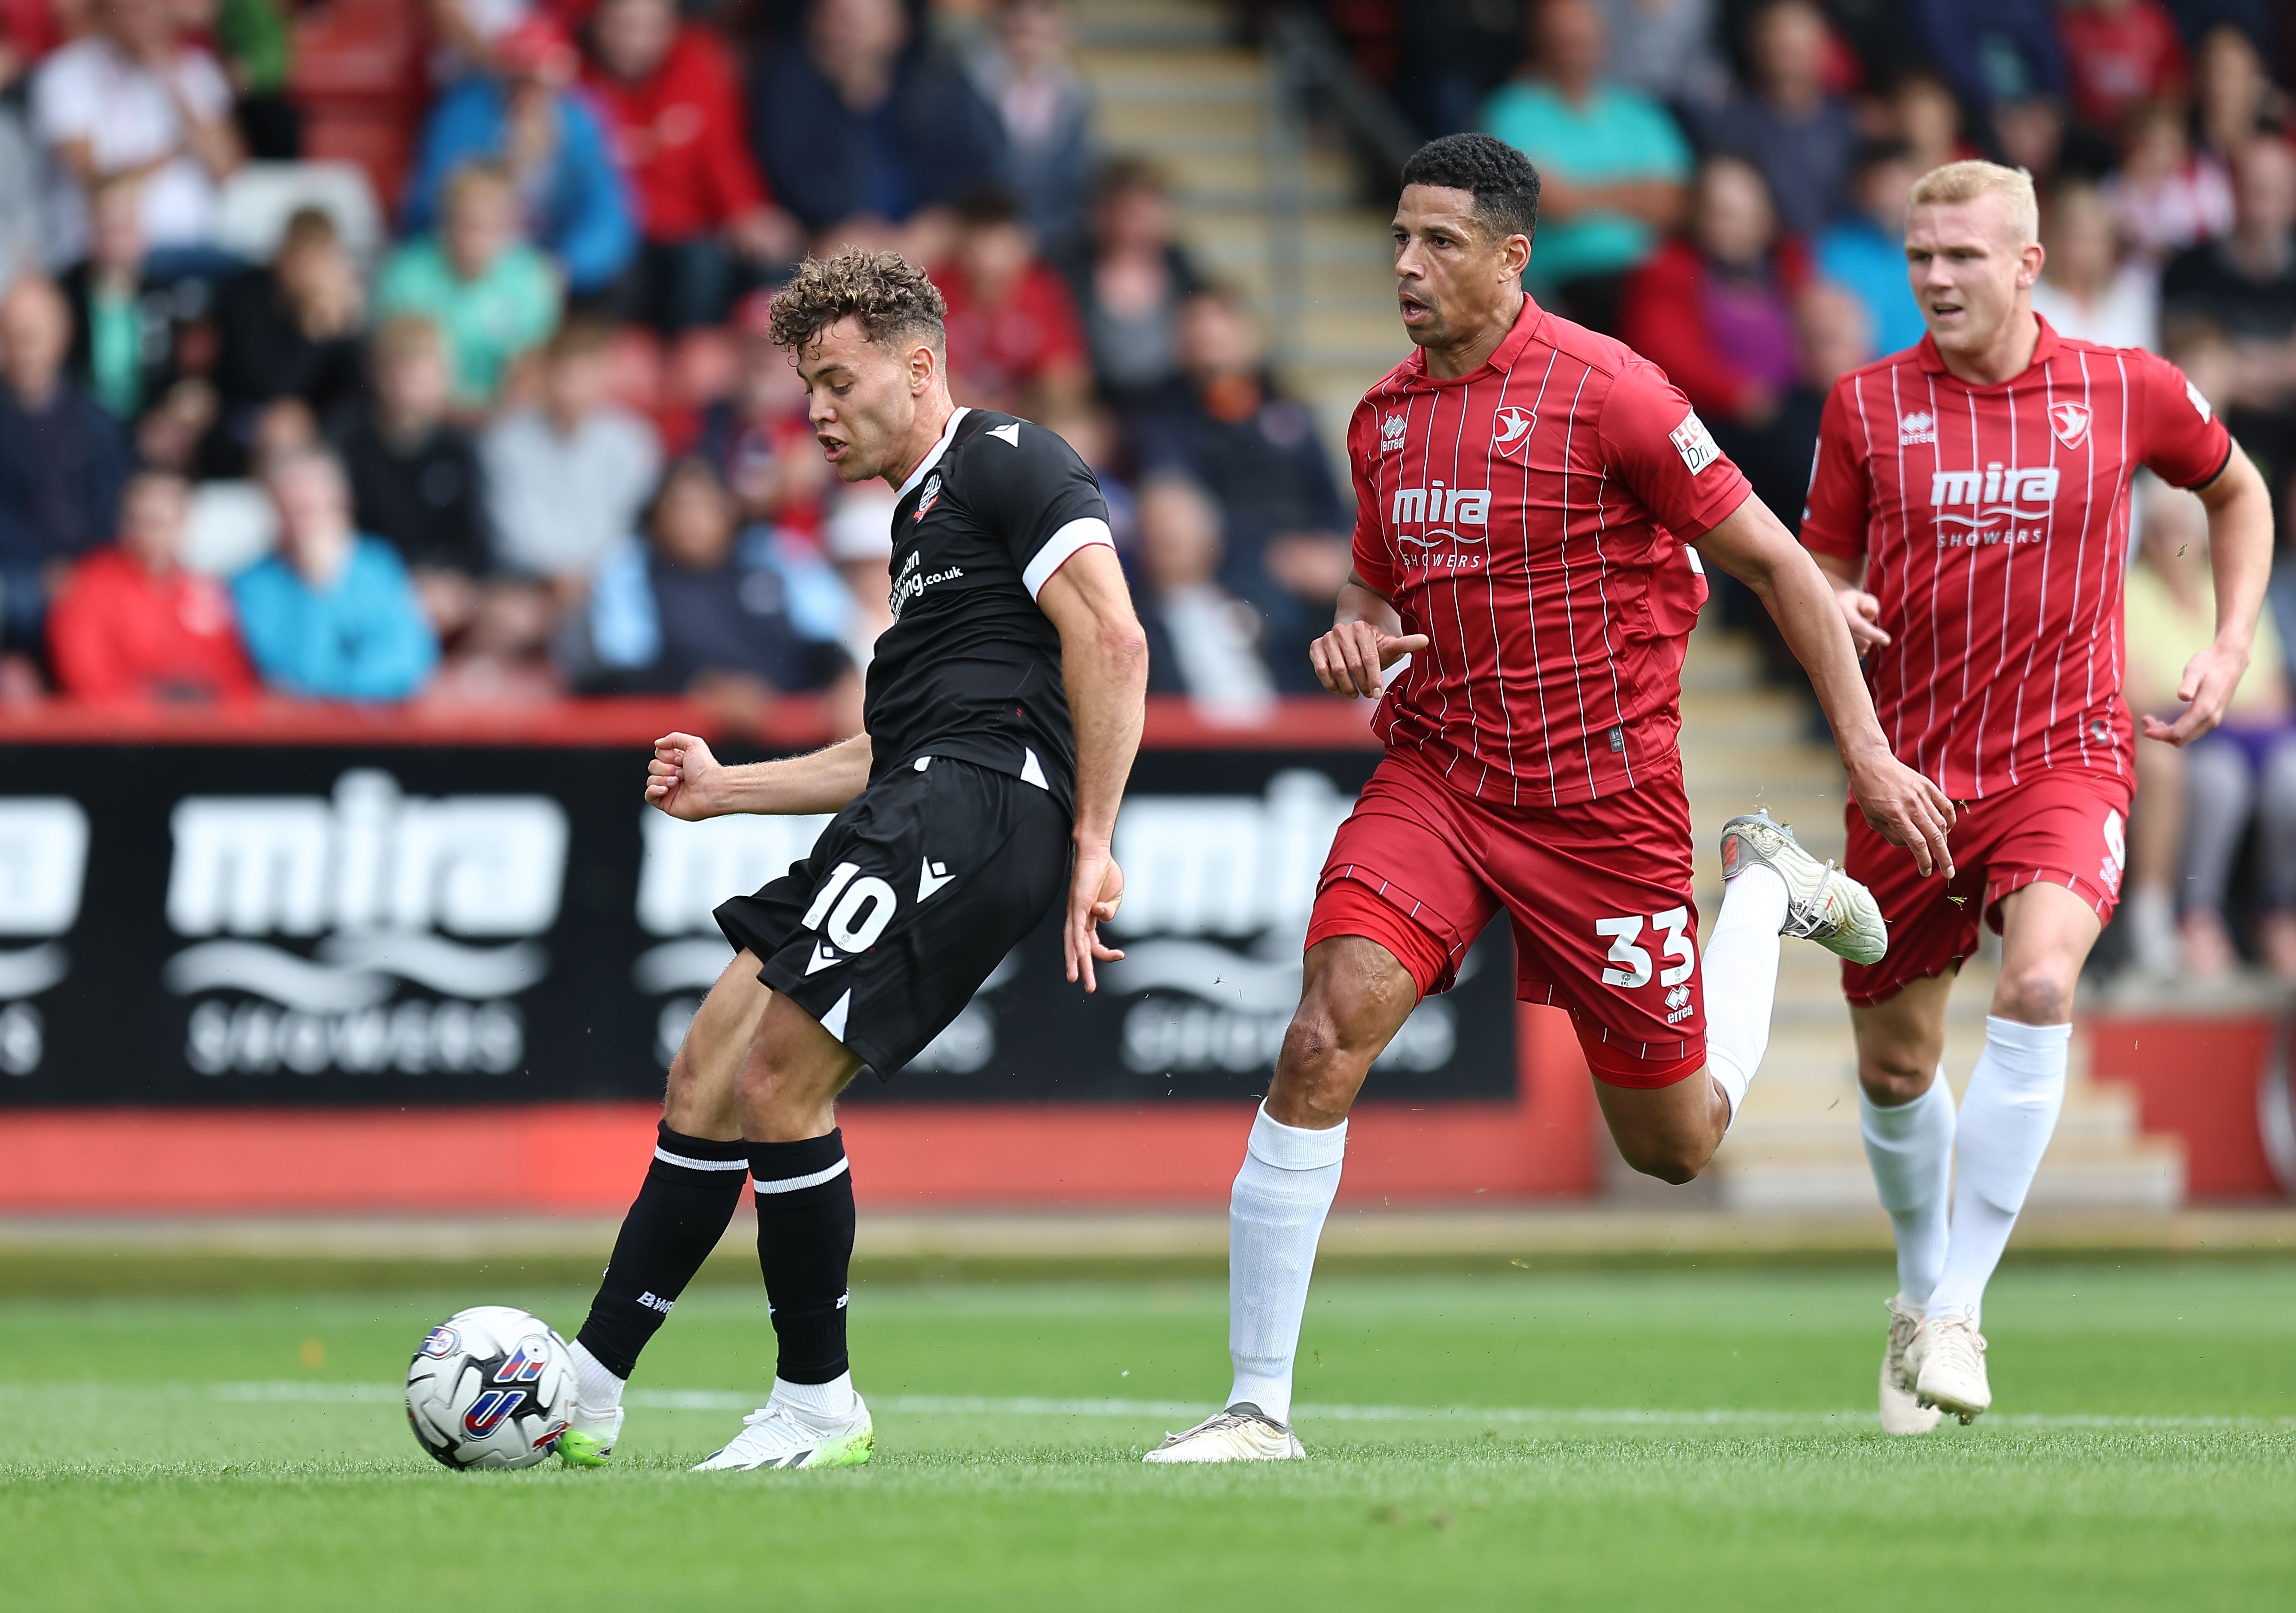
(1504, 184)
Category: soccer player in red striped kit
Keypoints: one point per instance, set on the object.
(1525, 492)
(1971, 501)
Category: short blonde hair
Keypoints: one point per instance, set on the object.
(1959, 181)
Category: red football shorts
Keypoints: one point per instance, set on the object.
(1597, 894)
(2059, 828)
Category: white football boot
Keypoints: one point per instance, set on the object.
(1947, 1359)
(1902, 1413)
(1823, 904)
(1241, 1433)
(783, 1436)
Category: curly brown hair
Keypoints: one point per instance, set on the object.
(889, 295)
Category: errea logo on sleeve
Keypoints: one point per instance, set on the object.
(1695, 443)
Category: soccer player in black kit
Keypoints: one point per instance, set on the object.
(1004, 708)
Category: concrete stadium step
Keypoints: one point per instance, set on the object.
(2147, 1173)
(1171, 85)
(1173, 73)
(1151, 24)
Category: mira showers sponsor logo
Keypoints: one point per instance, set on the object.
(1217, 893)
(42, 872)
(364, 931)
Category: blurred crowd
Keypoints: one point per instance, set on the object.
(495, 418)
(395, 349)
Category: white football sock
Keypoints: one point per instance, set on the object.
(830, 1401)
(2007, 1116)
(595, 1389)
(1910, 1147)
(1275, 1217)
(1742, 977)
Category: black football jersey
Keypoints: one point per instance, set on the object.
(970, 667)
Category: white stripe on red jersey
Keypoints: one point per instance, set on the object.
(1994, 523)
(1529, 518)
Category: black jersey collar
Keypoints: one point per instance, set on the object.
(948, 436)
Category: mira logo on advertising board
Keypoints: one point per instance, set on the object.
(1217, 893)
(42, 870)
(366, 932)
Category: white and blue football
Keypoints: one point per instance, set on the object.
(491, 1387)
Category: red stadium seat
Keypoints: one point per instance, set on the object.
(359, 77)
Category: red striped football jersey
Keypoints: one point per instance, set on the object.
(1530, 519)
(1994, 523)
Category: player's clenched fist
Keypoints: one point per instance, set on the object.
(1353, 658)
(679, 777)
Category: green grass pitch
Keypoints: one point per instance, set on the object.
(1691, 1440)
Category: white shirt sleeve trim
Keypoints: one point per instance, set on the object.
(1081, 533)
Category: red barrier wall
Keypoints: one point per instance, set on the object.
(2195, 1078)
(577, 1158)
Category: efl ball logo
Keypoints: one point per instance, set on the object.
(442, 1343)
(488, 1409)
(526, 1363)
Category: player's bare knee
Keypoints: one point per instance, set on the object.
(1672, 1160)
(2038, 994)
(1317, 1078)
(1893, 1076)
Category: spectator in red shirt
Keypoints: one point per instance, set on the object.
(673, 116)
(1014, 341)
(2118, 52)
(1715, 311)
(131, 623)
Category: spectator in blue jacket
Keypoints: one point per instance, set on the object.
(857, 121)
(577, 208)
(1785, 122)
(63, 460)
(333, 615)
(1994, 52)
(1863, 251)
(701, 606)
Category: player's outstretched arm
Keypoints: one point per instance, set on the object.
(1104, 663)
(1753, 546)
(1365, 639)
(2240, 557)
(685, 780)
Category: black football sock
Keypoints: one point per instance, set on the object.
(805, 1248)
(690, 1193)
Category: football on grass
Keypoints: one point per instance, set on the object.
(490, 1388)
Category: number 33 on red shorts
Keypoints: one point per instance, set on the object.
(1596, 892)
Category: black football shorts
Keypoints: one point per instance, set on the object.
(911, 895)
